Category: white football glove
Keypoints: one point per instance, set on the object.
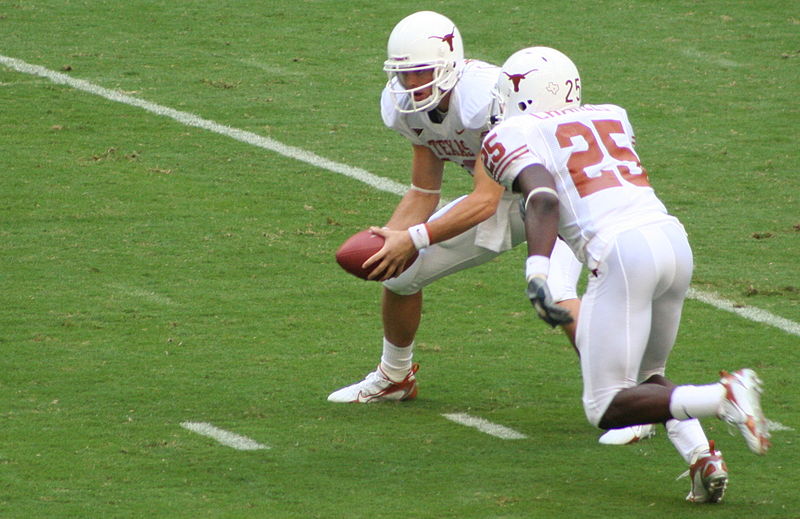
(542, 301)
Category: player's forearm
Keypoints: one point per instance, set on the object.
(414, 208)
(537, 187)
(541, 225)
(463, 216)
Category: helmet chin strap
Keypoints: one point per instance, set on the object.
(429, 103)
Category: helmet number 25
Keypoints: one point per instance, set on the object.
(602, 164)
(573, 91)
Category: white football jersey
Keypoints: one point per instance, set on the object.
(458, 136)
(602, 187)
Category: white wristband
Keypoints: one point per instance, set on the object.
(419, 235)
(536, 266)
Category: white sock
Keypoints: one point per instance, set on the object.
(696, 401)
(396, 361)
(688, 437)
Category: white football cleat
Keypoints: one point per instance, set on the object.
(628, 435)
(709, 476)
(377, 387)
(742, 407)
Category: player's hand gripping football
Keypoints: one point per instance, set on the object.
(391, 260)
(542, 301)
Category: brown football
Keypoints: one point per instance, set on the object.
(357, 249)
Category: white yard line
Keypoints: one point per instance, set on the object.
(484, 426)
(748, 312)
(188, 119)
(227, 438)
(380, 183)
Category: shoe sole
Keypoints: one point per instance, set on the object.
(716, 488)
(754, 428)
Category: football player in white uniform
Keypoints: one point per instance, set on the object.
(577, 171)
(440, 102)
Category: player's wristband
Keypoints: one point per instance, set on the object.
(419, 235)
(536, 266)
(426, 191)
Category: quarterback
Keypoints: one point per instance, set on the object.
(440, 102)
(580, 178)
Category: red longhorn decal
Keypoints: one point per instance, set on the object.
(446, 38)
(516, 78)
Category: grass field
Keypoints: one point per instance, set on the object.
(154, 273)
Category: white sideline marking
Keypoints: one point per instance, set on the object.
(380, 183)
(383, 184)
(485, 426)
(748, 312)
(227, 438)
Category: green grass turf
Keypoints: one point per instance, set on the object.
(154, 273)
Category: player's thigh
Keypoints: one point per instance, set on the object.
(676, 265)
(614, 323)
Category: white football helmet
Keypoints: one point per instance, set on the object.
(536, 79)
(421, 41)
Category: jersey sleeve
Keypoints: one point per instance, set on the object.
(505, 153)
(474, 90)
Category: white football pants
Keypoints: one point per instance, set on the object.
(631, 311)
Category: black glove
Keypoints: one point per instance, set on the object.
(542, 301)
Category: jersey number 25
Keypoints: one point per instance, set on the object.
(587, 166)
